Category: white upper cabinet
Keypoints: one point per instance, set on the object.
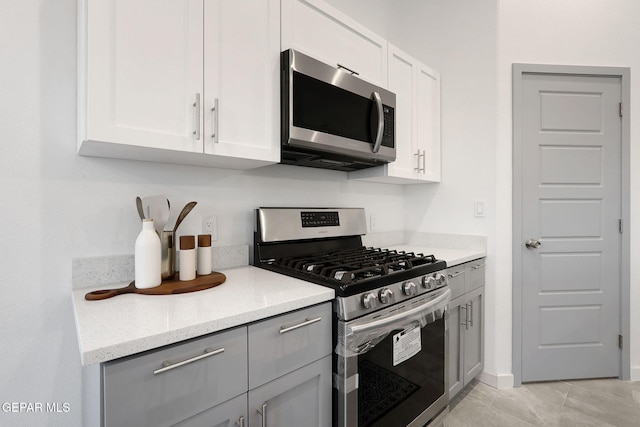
(323, 32)
(146, 89)
(417, 89)
(242, 77)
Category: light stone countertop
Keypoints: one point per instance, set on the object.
(130, 323)
(451, 256)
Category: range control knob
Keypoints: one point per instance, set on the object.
(369, 300)
(441, 279)
(429, 282)
(409, 288)
(386, 295)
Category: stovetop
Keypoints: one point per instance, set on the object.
(324, 246)
(355, 270)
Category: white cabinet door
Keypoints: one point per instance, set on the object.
(417, 89)
(402, 71)
(142, 72)
(241, 79)
(427, 119)
(322, 32)
(150, 72)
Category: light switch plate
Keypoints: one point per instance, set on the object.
(479, 207)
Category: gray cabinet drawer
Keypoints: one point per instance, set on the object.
(137, 393)
(456, 280)
(474, 272)
(287, 342)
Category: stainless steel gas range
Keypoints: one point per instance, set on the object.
(390, 314)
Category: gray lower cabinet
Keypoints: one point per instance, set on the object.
(301, 398)
(280, 367)
(466, 324)
(166, 386)
(290, 369)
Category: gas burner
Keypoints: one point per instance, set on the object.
(351, 266)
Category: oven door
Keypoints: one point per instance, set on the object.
(390, 368)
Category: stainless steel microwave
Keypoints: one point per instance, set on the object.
(332, 119)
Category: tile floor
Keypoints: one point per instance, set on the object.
(583, 403)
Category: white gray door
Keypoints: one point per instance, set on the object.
(571, 209)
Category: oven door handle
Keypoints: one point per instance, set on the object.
(444, 297)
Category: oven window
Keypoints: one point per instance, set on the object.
(392, 396)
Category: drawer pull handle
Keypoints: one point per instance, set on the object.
(466, 316)
(196, 115)
(300, 325)
(263, 412)
(475, 267)
(166, 366)
(451, 276)
(240, 422)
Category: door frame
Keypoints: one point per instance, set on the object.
(518, 70)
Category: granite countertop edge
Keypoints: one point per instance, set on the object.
(129, 324)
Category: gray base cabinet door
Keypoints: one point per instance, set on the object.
(474, 343)
(232, 413)
(301, 398)
(466, 324)
(456, 375)
(466, 339)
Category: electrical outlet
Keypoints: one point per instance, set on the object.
(373, 222)
(210, 226)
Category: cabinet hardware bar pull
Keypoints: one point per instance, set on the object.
(196, 113)
(451, 276)
(424, 161)
(300, 325)
(355, 73)
(263, 412)
(470, 311)
(208, 352)
(240, 422)
(466, 318)
(475, 267)
(417, 156)
(216, 115)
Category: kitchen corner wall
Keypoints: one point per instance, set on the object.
(58, 206)
(474, 44)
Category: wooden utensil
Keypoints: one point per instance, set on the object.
(168, 287)
(183, 214)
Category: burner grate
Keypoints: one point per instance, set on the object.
(354, 265)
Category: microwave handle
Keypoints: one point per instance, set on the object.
(378, 142)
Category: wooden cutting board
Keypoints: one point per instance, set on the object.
(168, 287)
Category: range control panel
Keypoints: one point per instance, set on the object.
(320, 219)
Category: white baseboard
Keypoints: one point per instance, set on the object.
(499, 381)
(635, 373)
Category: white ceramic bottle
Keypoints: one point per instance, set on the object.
(187, 258)
(204, 254)
(148, 257)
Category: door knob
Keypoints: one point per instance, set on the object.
(532, 244)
